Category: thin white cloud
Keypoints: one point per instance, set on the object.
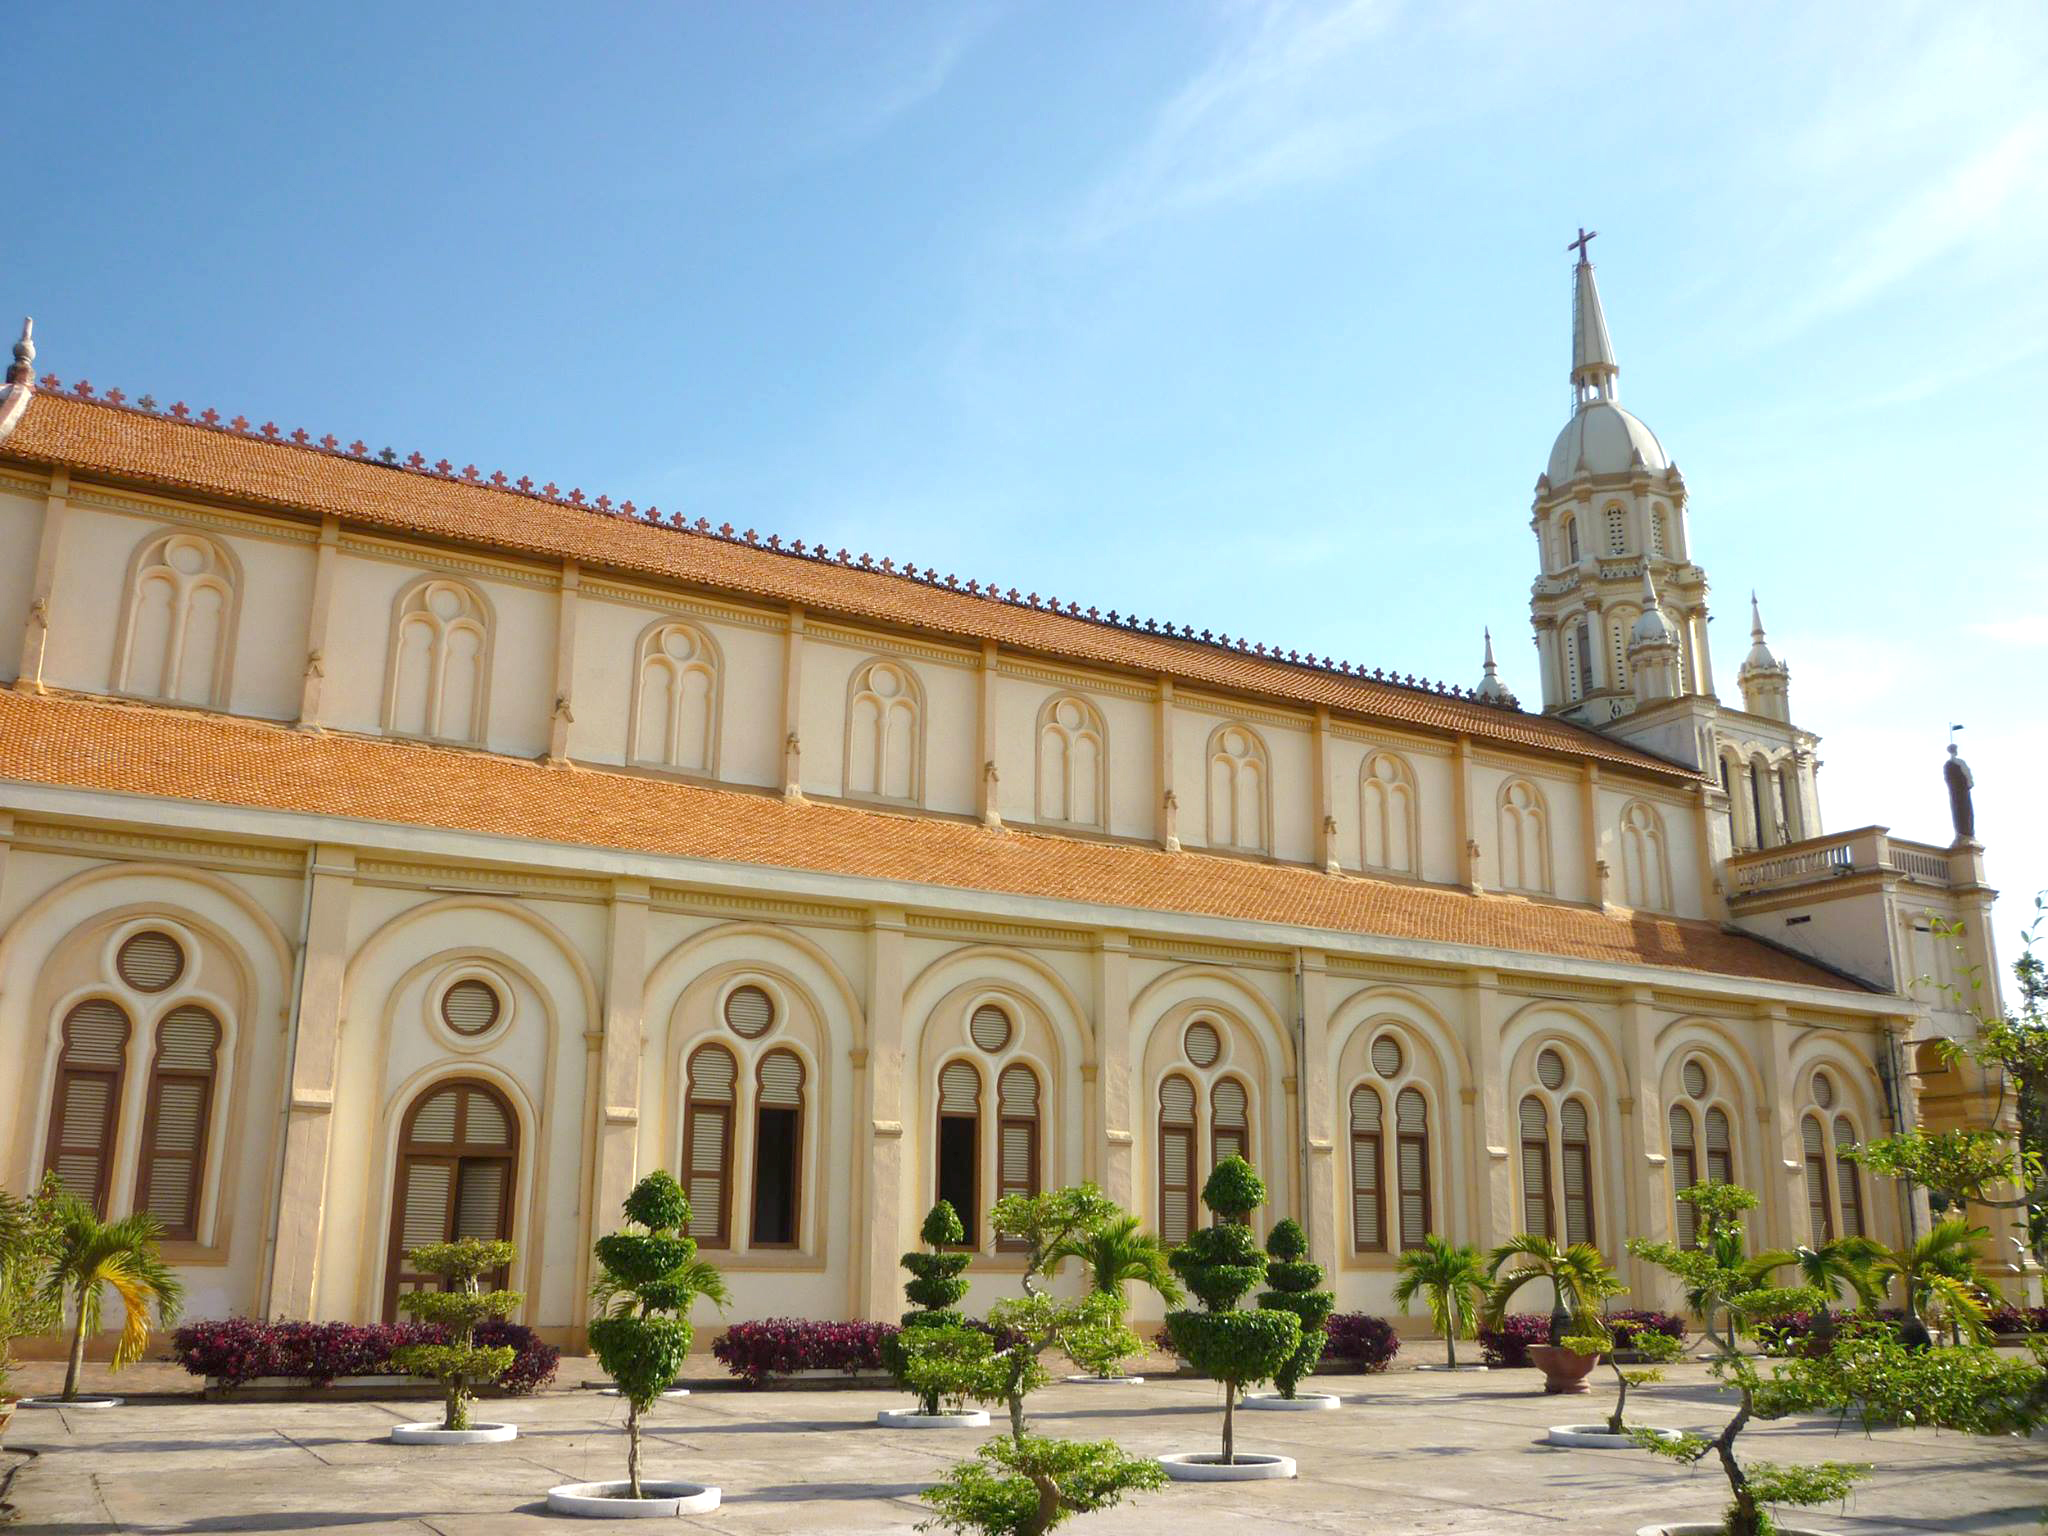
(919, 70)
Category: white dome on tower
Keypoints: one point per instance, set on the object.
(1604, 439)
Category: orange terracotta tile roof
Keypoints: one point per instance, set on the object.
(224, 760)
(123, 444)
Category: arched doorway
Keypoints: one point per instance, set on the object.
(458, 1160)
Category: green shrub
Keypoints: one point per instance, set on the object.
(937, 1357)
(1029, 1486)
(458, 1363)
(1294, 1280)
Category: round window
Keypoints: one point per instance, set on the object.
(1204, 1045)
(750, 1012)
(1696, 1078)
(1550, 1069)
(989, 1028)
(470, 1006)
(1823, 1090)
(1386, 1056)
(149, 962)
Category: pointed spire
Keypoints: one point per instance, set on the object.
(1491, 689)
(24, 369)
(1652, 627)
(1595, 374)
(1759, 652)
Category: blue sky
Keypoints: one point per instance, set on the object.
(1249, 315)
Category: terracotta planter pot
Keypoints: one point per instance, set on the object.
(1564, 1370)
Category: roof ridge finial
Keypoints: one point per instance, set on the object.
(23, 370)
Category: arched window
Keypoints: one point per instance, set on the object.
(174, 1126)
(675, 700)
(1577, 1157)
(440, 641)
(1230, 1132)
(1620, 627)
(1016, 1136)
(1760, 798)
(1536, 1204)
(1645, 874)
(1685, 1172)
(707, 1144)
(1386, 820)
(1177, 1190)
(1847, 1185)
(1617, 531)
(1820, 1216)
(178, 621)
(1720, 1147)
(1368, 1202)
(959, 1144)
(885, 733)
(458, 1150)
(1073, 764)
(1571, 539)
(1411, 1122)
(1524, 837)
(88, 1099)
(778, 1149)
(1658, 546)
(1237, 788)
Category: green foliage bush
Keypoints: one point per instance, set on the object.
(1294, 1281)
(1029, 1486)
(460, 1362)
(937, 1357)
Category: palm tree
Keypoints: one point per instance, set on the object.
(1118, 1253)
(1452, 1278)
(1579, 1278)
(1939, 1268)
(1840, 1267)
(91, 1255)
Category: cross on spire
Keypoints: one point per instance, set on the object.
(1586, 238)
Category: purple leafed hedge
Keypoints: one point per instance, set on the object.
(1360, 1340)
(782, 1346)
(241, 1349)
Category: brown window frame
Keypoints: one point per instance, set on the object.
(721, 1238)
(1420, 1140)
(1848, 1186)
(1377, 1141)
(1725, 1174)
(145, 1160)
(410, 1152)
(115, 1077)
(1216, 1153)
(796, 1171)
(1565, 1147)
(1542, 1144)
(1190, 1128)
(1032, 1124)
(1817, 1164)
(1689, 1157)
(968, 1219)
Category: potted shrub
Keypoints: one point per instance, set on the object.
(87, 1257)
(1617, 1433)
(1114, 1255)
(936, 1357)
(1295, 1282)
(1220, 1265)
(1451, 1278)
(457, 1362)
(1579, 1281)
(641, 1336)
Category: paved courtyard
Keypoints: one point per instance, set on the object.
(1409, 1453)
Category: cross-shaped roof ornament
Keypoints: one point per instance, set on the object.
(1586, 238)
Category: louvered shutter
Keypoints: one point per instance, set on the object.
(989, 1028)
(470, 1007)
(425, 1211)
(1232, 1128)
(1411, 1122)
(1578, 1173)
(1695, 1075)
(1820, 1223)
(959, 1089)
(707, 1143)
(435, 1120)
(487, 1125)
(1720, 1147)
(749, 1012)
(1203, 1044)
(1016, 1136)
(1550, 1069)
(1535, 1167)
(455, 1179)
(1386, 1056)
(1176, 1160)
(782, 1080)
(175, 1122)
(1368, 1235)
(88, 1096)
(1684, 1173)
(480, 1203)
(149, 962)
(1847, 1185)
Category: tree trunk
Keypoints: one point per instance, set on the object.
(1451, 1347)
(1743, 1520)
(633, 1448)
(1229, 1425)
(453, 1417)
(1017, 1417)
(77, 1362)
(1615, 1422)
(1560, 1315)
(1048, 1510)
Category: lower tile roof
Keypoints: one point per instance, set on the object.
(141, 749)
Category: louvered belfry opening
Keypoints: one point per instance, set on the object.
(174, 1126)
(1016, 1138)
(707, 1144)
(1411, 1127)
(1176, 1159)
(778, 1149)
(1368, 1204)
(458, 1152)
(88, 1099)
(959, 1145)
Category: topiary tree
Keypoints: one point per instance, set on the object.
(937, 1356)
(1657, 1348)
(1029, 1486)
(651, 1275)
(458, 1362)
(1047, 1225)
(1294, 1280)
(1451, 1277)
(1220, 1264)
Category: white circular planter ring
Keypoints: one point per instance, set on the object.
(1714, 1528)
(1306, 1402)
(615, 1392)
(1107, 1381)
(434, 1434)
(894, 1418)
(1458, 1369)
(76, 1402)
(1597, 1437)
(609, 1501)
(1208, 1467)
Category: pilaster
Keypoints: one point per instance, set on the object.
(1319, 1211)
(1589, 821)
(887, 1161)
(989, 795)
(562, 721)
(1644, 1164)
(793, 707)
(1325, 809)
(1114, 1108)
(1490, 1152)
(309, 1095)
(320, 620)
(35, 628)
(1784, 1192)
(1162, 764)
(619, 1054)
(1461, 816)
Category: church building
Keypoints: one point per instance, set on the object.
(391, 850)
